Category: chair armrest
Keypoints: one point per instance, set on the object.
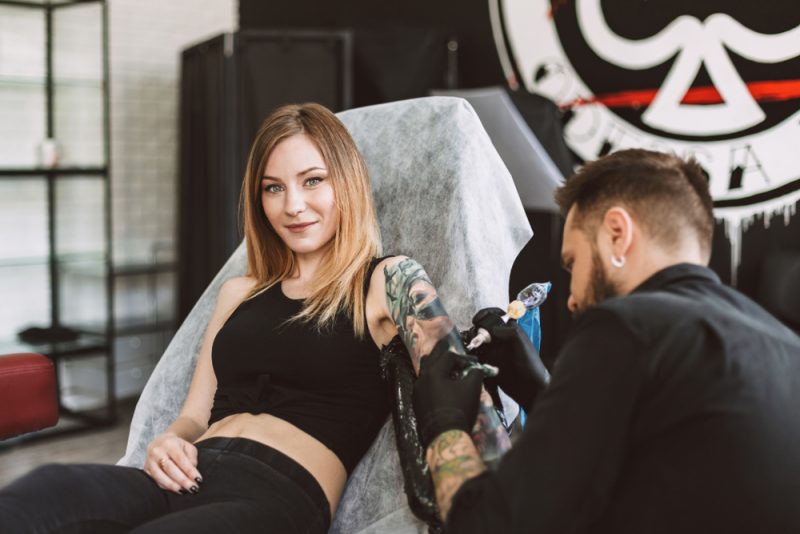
(28, 394)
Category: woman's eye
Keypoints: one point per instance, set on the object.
(313, 181)
(272, 188)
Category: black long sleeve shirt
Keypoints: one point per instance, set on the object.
(675, 409)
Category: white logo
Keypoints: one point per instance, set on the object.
(696, 44)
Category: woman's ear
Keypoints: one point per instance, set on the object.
(619, 225)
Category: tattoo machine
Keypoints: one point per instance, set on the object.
(470, 363)
(525, 310)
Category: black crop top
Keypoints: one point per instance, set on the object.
(326, 384)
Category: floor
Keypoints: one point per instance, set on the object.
(105, 445)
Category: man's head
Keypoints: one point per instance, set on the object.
(629, 215)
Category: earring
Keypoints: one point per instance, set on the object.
(619, 263)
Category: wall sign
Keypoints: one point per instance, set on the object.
(718, 80)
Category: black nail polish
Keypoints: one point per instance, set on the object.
(194, 489)
(199, 480)
(183, 491)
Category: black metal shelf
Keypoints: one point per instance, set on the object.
(60, 259)
(132, 326)
(137, 327)
(50, 4)
(144, 325)
(87, 343)
(143, 269)
(94, 341)
(41, 83)
(41, 172)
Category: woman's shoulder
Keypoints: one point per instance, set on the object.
(378, 267)
(234, 290)
(385, 267)
(379, 264)
(238, 284)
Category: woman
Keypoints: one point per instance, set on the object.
(286, 396)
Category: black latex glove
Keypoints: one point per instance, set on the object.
(442, 401)
(522, 373)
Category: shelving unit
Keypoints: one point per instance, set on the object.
(144, 320)
(55, 206)
(155, 319)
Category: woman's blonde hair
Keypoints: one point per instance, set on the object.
(339, 283)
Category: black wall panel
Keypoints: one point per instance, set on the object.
(202, 134)
(478, 65)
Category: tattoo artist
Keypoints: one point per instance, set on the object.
(673, 404)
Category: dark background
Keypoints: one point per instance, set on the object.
(478, 65)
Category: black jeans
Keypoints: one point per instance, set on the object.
(247, 487)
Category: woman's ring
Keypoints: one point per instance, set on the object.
(161, 462)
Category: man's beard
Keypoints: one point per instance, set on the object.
(600, 286)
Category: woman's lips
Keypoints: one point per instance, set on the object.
(297, 228)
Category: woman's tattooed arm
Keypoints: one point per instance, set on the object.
(422, 322)
(417, 312)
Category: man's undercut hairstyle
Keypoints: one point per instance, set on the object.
(666, 195)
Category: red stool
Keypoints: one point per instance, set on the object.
(28, 394)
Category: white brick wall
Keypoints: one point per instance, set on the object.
(22, 123)
(78, 71)
(146, 37)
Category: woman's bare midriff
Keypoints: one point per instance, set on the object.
(318, 459)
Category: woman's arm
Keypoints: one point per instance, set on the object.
(402, 300)
(171, 456)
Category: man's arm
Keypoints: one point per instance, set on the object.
(453, 460)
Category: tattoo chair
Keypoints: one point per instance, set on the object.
(443, 197)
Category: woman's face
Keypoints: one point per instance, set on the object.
(298, 197)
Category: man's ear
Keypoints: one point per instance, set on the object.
(619, 225)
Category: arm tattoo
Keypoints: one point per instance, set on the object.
(453, 460)
(422, 321)
(417, 312)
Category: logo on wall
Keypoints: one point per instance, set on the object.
(714, 79)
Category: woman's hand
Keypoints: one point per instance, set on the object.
(172, 464)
